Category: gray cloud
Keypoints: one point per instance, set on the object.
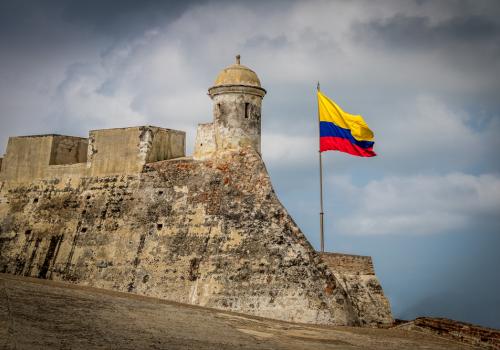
(421, 204)
(264, 42)
(416, 33)
(459, 43)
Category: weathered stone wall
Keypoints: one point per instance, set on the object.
(166, 144)
(68, 150)
(29, 157)
(67, 172)
(350, 264)
(210, 233)
(204, 145)
(109, 151)
(26, 158)
(357, 275)
(126, 150)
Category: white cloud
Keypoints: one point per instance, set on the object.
(429, 134)
(281, 149)
(421, 204)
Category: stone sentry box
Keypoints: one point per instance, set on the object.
(105, 152)
(237, 102)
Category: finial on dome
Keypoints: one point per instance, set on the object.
(237, 74)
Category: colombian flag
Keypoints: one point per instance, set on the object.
(341, 131)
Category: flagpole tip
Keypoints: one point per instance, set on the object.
(317, 86)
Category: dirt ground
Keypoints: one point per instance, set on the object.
(39, 314)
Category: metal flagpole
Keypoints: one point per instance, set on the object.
(320, 186)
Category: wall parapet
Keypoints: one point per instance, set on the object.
(348, 263)
(105, 152)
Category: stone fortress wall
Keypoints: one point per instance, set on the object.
(349, 264)
(126, 210)
(29, 157)
(105, 152)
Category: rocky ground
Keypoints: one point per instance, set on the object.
(41, 314)
(487, 338)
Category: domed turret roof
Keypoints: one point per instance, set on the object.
(237, 74)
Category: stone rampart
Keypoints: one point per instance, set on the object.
(105, 152)
(67, 150)
(210, 233)
(349, 264)
(28, 157)
(126, 150)
(357, 276)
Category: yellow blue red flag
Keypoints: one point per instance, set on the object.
(341, 131)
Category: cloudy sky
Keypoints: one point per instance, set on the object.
(424, 74)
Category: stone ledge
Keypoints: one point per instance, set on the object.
(348, 263)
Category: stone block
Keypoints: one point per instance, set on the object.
(28, 157)
(127, 150)
(348, 263)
